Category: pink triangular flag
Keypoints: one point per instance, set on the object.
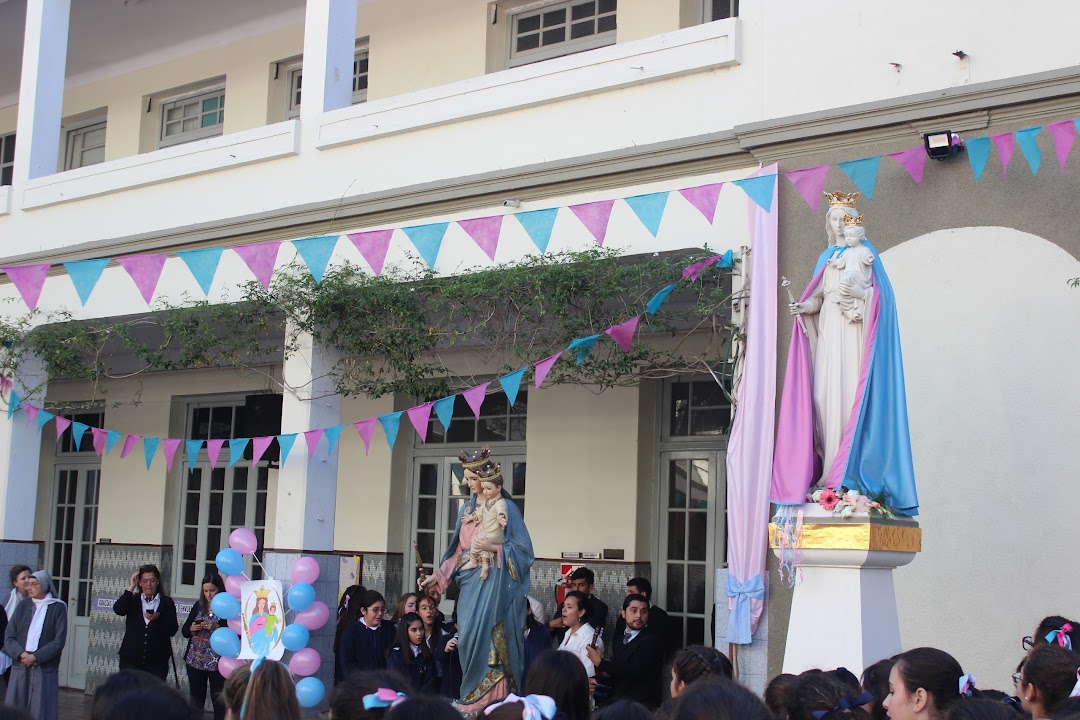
(31, 413)
(692, 271)
(373, 246)
(419, 417)
(810, 183)
(145, 270)
(213, 449)
(258, 447)
(99, 440)
(914, 161)
(475, 397)
(1004, 143)
(1064, 134)
(704, 198)
(312, 437)
(62, 424)
(364, 428)
(594, 216)
(260, 259)
(28, 280)
(484, 232)
(543, 368)
(623, 333)
(129, 445)
(170, 451)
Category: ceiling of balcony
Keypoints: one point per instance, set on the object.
(108, 33)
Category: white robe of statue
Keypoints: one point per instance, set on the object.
(834, 316)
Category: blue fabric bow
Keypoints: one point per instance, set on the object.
(738, 631)
(847, 702)
(967, 685)
(383, 698)
(537, 707)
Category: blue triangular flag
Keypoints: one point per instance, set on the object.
(111, 438)
(538, 224)
(583, 346)
(237, 446)
(84, 275)
(444, 410)
(78, 429)
(316, 252)
(759, 189)
(659, 298)
(726, 260)
(43, 418)
(203, 265)
(511, 383)
(978, 152)
(332, 434)
(863, 173)
(390, 425)
(285, 444)
(150, 446)
(1026, 140)
(192, 448)
(13, 405)
(649, 209)
(427, 239)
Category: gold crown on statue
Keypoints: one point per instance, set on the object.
(489, 472)
(853, 220)
(262, 593)
(474, 459)
(842, 199)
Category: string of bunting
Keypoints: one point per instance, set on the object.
(104, 440)
(145, 270)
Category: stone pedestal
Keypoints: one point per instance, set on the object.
(843, 611)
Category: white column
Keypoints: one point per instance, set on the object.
(41, 92)
(307, 489)
(20, 452)
(329, 48)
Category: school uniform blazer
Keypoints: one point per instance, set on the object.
(450, 666)
(636, 668)
(420, 673)
(146, 643)
(53, 633)
(364, 648)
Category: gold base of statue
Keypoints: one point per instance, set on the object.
(854, 535)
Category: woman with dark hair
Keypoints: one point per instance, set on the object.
(561, 677)
(423, 707)
(983, 709)
(624, 710)
(411, 656)
(200, 660)
(875, 680)
(1055, 630)
(348, 610)
(159, 702)
(924, 684)
(824, 692)
(779, 692)
(119, 685)
(351, 699)
(1047, 678)
(366, 642)
(268, 691)
(405, 604)
(719, 700)
(696, 662)
(150, 623)
(34, 640)
(579, 633)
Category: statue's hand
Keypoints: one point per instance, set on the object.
(847, 288)
(797, 308)
(428, 582)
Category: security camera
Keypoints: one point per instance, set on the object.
(512, 203)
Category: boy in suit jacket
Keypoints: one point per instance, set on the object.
(638, 662)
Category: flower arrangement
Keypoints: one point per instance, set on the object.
(847, 503)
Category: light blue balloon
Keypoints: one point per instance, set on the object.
(225, 606)
(225, 642)
(300, 596)
(295, 637)
(310, 692)
(229, 562)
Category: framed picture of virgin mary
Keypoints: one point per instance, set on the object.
(262, 615)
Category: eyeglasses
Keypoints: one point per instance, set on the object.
(1028, 642)
(1016, 679)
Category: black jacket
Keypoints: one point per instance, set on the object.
(365, 649)
(146, 644)
(636, 669)
(658, 624)
(421, 672)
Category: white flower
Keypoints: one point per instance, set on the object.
(816, 496)
(848, 511)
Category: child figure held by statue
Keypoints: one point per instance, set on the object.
(490, 519)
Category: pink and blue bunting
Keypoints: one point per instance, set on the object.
(145, 271)
(213, 451)
(192, 447)
(583, 346)
(485, 233)
(32, 413)
(809, 183)
(332, 435)
(259, 447)
(79, 429)
(311, 439)
(1030, 148)
(285, 444)
(150, 446)
(260, 259)
(372, 246)
(28, 280)
(444, 410)
(595, 217)
(202, 264)
(1064, 134)
(365, 429)
(863, 173)
(427, 239)
(391, 423)
(316, 252)
(1004, 142)
(171, 445)
(62, 423)
(704, 198)
(543, 367)
(474, 396)
(511, 384)
(98, 441)
(538, 225)
(45, 416)
(237, 446)
(419, 416)
(760, 189)
(623, 333)
(913, 161)
(659, 298)
(111, 438)
(649, 209)
(978, 152)
(84, 275)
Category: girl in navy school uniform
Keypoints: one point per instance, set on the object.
(412, 657)
(366, 642)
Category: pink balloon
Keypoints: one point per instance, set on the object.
(243, 541)
(315, 616)
(232, 585)
(304, 570)
(236, 627)
(227, 666)
(305, 662)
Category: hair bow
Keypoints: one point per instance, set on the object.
(1076, 688)
(537, 707)
(1061, 636)
(383, 698)
(848, 702)
(967, 685)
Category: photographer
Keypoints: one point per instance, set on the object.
(150, 617)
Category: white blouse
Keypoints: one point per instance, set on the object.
(576, 643)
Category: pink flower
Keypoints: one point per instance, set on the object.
(862, 504)
(829, 499)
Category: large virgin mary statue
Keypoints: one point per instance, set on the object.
(843, 416)
(490, 613)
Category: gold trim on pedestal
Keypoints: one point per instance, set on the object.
(855, 536)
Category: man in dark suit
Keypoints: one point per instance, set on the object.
(636, 668)
(658, 617)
